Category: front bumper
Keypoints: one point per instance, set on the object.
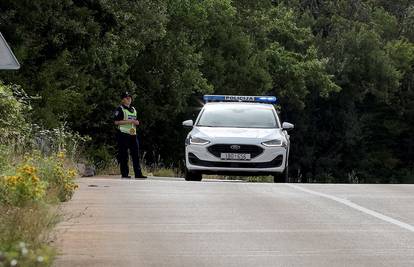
(270, 160)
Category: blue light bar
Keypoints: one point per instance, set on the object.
(239, 98)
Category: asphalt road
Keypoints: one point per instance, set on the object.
(170, 222)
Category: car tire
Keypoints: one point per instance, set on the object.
(281, 177)
(192, 176)
(287, 174)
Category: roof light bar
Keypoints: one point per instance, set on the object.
(238, 98)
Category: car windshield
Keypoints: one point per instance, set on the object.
(238, 116)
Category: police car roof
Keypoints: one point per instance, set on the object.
(240, 98)
(238, 104)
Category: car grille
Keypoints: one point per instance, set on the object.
(276, 162)
(217, 149)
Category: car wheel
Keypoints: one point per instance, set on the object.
(287, 174)
(192, 176)
(281, 177)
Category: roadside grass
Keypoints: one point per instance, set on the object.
(158, 169)
(33, 183)
(260, 179)
(31, 225)
(167, 172)
(111, 168)
(31, 188)
(250, 179)
(36, 174)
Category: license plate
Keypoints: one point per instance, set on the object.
(234, 156)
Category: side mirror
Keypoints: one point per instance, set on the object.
(188, 123)
(287, 126)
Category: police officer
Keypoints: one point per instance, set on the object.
(126, 121)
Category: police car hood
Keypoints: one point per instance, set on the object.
(224, 133)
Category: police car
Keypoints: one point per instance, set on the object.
(237, 135)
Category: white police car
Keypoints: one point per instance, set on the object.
(237, 135)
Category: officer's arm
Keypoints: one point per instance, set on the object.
(122, 122)
(118, 119)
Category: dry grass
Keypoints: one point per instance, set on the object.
(31, 223)
(166, 172)
(26, 234)
(250, 179)
(112, 168)
(160, 171)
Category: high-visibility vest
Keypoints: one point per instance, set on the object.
(129, 128)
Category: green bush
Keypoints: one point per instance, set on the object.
(28, 211)
(4, 158)
(101, 157)
(13, 124)
(21, 254)
(53, 141)
(23, 187)
(36, 173)
(35, 177)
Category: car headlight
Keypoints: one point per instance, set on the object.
(198, 141)
(275, 142)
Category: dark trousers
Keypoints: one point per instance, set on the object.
(128, 142)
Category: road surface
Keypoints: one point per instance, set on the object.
(171, 222)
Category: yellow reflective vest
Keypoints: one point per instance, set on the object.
(129, 128)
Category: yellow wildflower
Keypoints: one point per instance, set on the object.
(61, 155)
(72, 173)
(27, 169)
(35, 178)
(11, 180)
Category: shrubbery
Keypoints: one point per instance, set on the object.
(28, 196)
(21, 254)
(23, 187)
(36, 173)
(35, 178)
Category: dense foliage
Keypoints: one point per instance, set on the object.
(343, 70)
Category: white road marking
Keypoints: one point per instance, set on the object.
(357, 207)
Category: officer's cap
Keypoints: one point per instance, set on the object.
(125, 94)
